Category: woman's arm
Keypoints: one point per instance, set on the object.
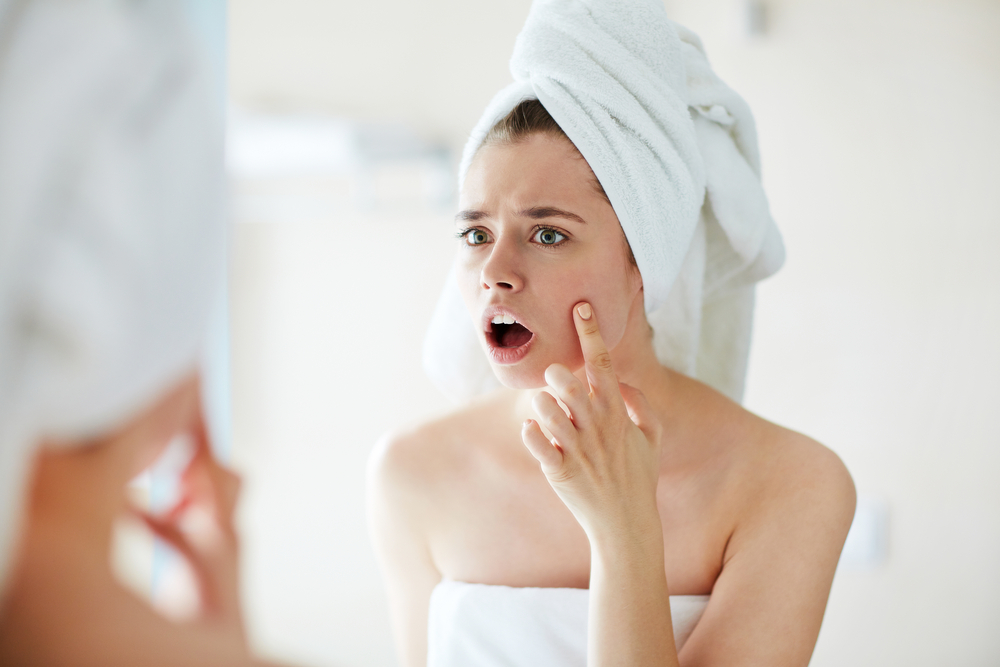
(401, 545)
(603, 461)
(629, 618)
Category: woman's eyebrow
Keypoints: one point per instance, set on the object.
(541, 212)
(535, 213)
(470, 215)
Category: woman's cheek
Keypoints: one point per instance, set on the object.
(612, 309)
(467, 275)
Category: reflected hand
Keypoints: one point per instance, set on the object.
(200, 527)
(603, 458)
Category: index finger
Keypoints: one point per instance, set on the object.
(208, 479)
(600, 374)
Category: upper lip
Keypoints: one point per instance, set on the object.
(493, 311)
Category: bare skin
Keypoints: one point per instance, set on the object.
(63, 605)
(661, 487)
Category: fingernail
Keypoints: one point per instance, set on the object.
(585, 311)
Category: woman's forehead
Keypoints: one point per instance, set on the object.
(543, 170)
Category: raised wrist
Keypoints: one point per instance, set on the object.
(640, 537)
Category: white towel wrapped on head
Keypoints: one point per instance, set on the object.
(674, 148)
(111, 221)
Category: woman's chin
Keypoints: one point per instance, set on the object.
(519, 378)
(530, 375)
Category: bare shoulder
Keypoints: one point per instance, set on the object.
(792, 478)
(775, 476)
(774, 468)
(802, 468)
(410, 472)
(415, 459)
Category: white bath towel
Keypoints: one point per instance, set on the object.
(674, 148)
(111, 220)
(480, 625)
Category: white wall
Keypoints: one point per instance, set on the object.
(328, 323)
(881, 336)
(433, 63)
(880, 140)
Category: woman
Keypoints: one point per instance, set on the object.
(111, 249)
(599, 465)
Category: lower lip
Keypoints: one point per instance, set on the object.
(507, 355)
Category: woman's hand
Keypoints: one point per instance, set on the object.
(200, 527)
(604, 457)
(65, 607)
(603, 460)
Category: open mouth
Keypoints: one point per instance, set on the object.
(506, 332)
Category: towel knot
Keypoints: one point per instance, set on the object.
(717, 114)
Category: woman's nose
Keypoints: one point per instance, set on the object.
(501, 269)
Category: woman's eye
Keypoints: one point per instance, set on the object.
(476, 237)
(548, 237)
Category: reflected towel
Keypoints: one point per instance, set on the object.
(111, 220)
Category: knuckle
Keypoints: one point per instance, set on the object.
(602, 361)
(553, 417)
(540, 403)
(560, 475)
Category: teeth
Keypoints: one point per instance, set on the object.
(503, 319)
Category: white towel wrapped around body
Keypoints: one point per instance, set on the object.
(111, 221)
(674, 148)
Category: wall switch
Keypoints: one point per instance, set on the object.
(867, 542)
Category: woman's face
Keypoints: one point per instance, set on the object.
(537, 237)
